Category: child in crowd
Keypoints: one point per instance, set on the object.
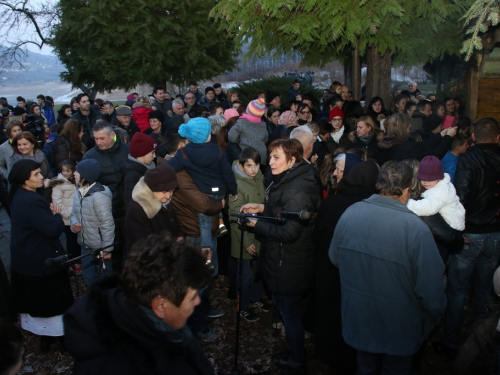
(439, 195)
(250, 189)
(250, 130)
(458, 147)
(209, 168)
(63, 191)
(91, 219)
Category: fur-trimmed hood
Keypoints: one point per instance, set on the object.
(139, 104)
(143, 195)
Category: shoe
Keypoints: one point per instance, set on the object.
(249, 316)
(214, 313)
(222, 229)
(444, 350)
(278, 325)
(263, 306)
(206, 335)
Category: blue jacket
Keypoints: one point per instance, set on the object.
(207, 165)
(48, 111)
(391, 273)
(450, 164)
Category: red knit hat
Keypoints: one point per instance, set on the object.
(335, 113)
(141, 144)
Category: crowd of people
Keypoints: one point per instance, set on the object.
(385, 217)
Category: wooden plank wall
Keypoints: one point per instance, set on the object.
(488, 98)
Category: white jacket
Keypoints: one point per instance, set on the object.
(441, 198)
(62, 195)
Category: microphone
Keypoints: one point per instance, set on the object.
(242, 215)
(302, 215)
(55, 262)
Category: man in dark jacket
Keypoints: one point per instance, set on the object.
(391, 275)
(136, 324)
(124, 121)
(110, 153)
(87, 118)
(477, 181)
(160, 103)
(423, 110)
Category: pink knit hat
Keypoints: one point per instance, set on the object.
(288, 118)
(256, 108)
(230, 113)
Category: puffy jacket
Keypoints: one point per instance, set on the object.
(477, 181)
(110, 161)
(62, 195)
(93, 212)
(250, 134)
(140, 114)
(288, 249)
(6, 151)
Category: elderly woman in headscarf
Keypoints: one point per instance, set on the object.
(357, 182)
(40, 295)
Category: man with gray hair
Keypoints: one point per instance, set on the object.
(391, 275)
(306, 137)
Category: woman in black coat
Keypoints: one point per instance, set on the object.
(366, 136)
(287, 247)
(357, 184)
(40, 295)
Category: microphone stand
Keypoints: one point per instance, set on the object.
(69, 261)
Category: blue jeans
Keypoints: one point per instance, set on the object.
(205, 224)
(195, 242)
(476, 262)
(251, 288)
(382, 364)
(288, 306)
(89, 267)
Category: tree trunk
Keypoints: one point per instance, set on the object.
(378, 75)
(356, 73)
(472, 83)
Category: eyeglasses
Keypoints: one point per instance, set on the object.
(189, 98)
(336, 120)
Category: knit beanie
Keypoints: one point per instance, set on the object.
(209, 89)
(161, 178)
(256, 108)
(89, 169)
(230, 113)
(432, 122)
(141, 144)
(288, 118)
(270, 95)
(336, 112)
(430, 169)
(196, 130)
(157, 115)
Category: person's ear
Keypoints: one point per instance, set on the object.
(473, 136)
(158, 306)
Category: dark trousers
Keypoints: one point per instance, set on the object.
(72, 247)
(383, 364)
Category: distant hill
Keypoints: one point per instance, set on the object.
(38, 68)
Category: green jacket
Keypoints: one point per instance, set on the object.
(250, 190)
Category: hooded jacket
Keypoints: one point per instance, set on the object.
(250, 134)
(62, 195)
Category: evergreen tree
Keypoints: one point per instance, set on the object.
(120, 43)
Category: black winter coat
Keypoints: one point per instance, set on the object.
(448, 240)
(371, 147)
(106, 334)
(131, 172)
(477, 181)
(411, 149)
(288, 251)
(110, 161)
(88, 123)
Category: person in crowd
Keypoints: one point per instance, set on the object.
(366, 136)
(352, 111)
(141, 316)
(250, 189)
(274, 99)
(410, 107)
(140, 112)
(475, 180)
(323, 144)
(306, 138)
(340, 132)
(40, 295)
(208, 167)
(458, 147)
(219, 93)
(160, 104)
(131, 99)
(422, 111)
(358, 184)
(92, 220)
(150, 211)
(26, 147)
(11, 347)
(193, 88)
(47, 109)
(107, 108)
(20, 109)
(63, 191)
(87, 117)
(399, 103)
(180, 117)
(398, 251)
(232, 96)
(208, 99)
(250, 130)
(287, 121)
(140, 160)
(377, 111)
(124, 121)
(398, 145)
(293, 91)
(156, 126)
(110, 153)
(14, 127)
(432, 126)
(288, 264)
(343, 163)
(304, 113)
(192, 108)
(438, 109)
(69, 143)
(63, 113)
(345, 93)
(450, 108)
(439, 195)
(413, 92)
(36, 110)
(272, 116)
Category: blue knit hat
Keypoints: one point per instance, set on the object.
(196, 130)
(89, 169)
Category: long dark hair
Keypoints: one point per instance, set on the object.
(71, 131)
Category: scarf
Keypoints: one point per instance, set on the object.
(336, 136)
(366, 139)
